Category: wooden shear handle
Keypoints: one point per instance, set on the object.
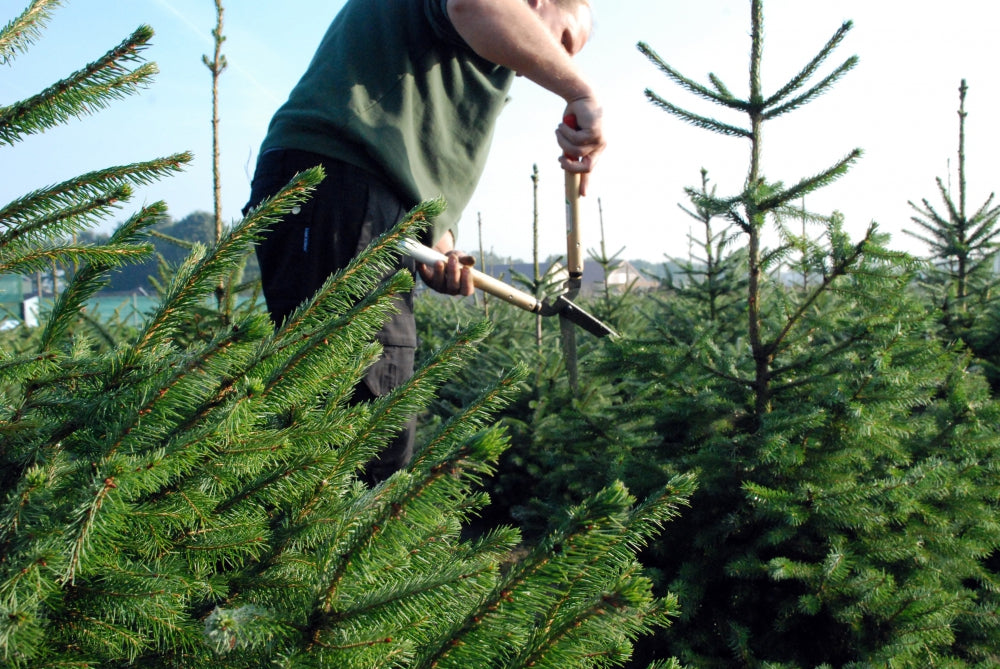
(482, 281)
(574, 248)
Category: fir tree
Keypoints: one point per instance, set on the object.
(963, 246)
(962, 277)
(712, 280)
(610, 303)
(40, 230)
(847, 490)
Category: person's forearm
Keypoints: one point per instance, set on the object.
(518, 35)
(509, 33)
(446, 243)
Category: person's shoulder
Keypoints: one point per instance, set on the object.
(424, 18)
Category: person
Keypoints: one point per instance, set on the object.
(399, 105)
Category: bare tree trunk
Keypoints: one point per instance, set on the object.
(755, 224)
(482, 257)
(216, 66)
(534, 251)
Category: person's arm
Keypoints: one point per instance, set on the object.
(512, 33)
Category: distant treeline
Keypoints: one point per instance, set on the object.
(172, 241)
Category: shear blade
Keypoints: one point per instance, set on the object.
(571, 311)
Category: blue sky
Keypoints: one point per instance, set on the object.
(899, 106)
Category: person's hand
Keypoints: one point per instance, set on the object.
(452, 277)
(582, 145)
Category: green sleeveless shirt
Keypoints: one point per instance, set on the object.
(394, 90)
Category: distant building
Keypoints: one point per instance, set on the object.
(620, 278)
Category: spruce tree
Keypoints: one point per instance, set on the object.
(566, 444)
(847, 460)
(199, 504)
(712, 280)
(962, 276)
(963, 246)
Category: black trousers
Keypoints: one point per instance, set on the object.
(349, 209)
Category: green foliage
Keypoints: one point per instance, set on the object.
(856, 458)
(565, 444)
(154, 487)
(83, 92)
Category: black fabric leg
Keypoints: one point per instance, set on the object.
(348, 210)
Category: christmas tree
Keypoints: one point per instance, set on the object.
(847, 458)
